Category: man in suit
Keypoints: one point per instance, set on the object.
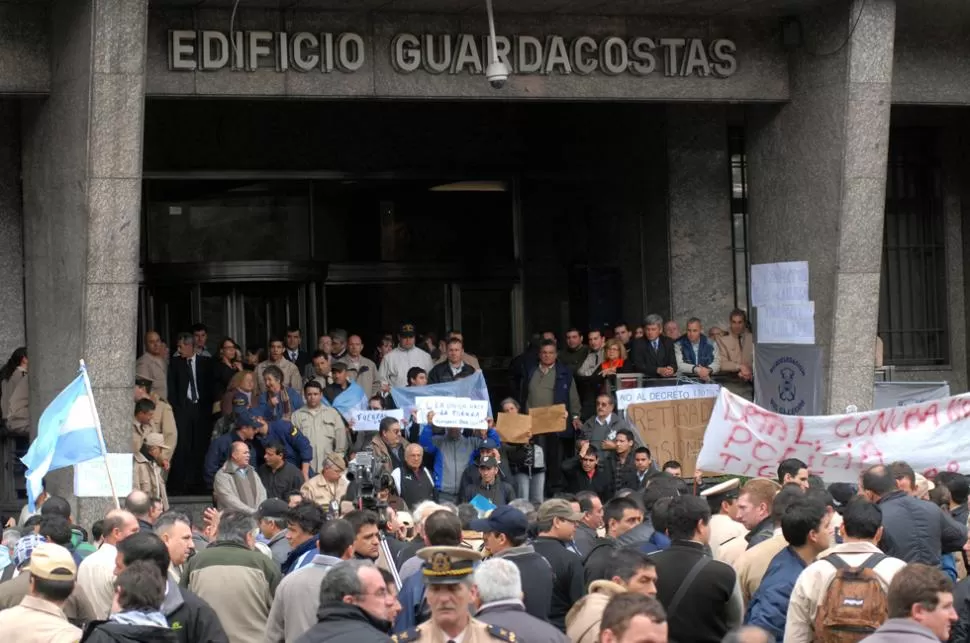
(654, 354)
(293, 352)
(190, 380)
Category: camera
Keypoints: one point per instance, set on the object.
(367, 477)
(497, 73)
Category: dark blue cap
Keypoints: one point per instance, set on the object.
(488, 443)
(503, 520)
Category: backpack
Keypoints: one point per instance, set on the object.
(855, 604)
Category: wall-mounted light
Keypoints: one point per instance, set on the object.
(496, 73)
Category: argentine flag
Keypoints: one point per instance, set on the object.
(68, 432)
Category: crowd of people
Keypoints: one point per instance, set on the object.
(453, 535)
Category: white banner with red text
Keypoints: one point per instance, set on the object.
(744, 439)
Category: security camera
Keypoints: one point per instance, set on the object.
(497, 73)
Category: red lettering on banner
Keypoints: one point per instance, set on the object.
(885, 422)
(727, 457)
(918, 415)
(843, 423)
(931, 472)
(734, 410)
(870, 451)
(799, 442)
(773, 457)
(767, 471)
(738, 429)
(953, 466)
(958, 409)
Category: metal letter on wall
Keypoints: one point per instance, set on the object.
(298, 46)
(181, 45)
(406, 53)
(215, 50)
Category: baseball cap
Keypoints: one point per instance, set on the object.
(25, 548)
(52, 562)
(488, 443)
(406, 330)
(503, 520)
(271, 509)
(337, 461)
(487, 461)
(557, 508)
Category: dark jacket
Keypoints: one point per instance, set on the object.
(597, 564)
(281, 483)
(960, 632)
(343, 623)
(762, 532)
(646, 360)
(584, 539)
(511, 616)
(578, 480)
(573, 358)
(918, 531)
(191, 618)
(537, 578)
(178, 384)
(567, 570)
(441, 373)
(303, 359)
(110, 632)
(500, 493)
(768, 608)
(560, 394)
(712, 588)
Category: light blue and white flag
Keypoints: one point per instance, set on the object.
(472, 387)
(352, 398)
(68, 432)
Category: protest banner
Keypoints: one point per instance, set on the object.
(664, 394)
(472, 387)
(548, 419)
(370, 420)
(673, 430)
(745, 439)
(514, 428)
(453, 412)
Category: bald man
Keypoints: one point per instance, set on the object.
(153, 364)
(96, 574)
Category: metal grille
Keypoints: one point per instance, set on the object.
(739, 215)
(913, 292)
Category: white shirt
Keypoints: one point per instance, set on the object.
(96, 576)
(396, 364)
(188, 391)
(456, 639)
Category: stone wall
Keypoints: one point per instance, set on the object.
(11, 232)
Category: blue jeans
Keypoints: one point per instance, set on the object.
(530, 489)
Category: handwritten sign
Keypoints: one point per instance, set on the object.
(779, 283)
(370, 420)
(787, 323)
(548, 419)
(674, 430)
(745, 439)
(91, 477)
(514, 428)
(665, 394)
(454, 412)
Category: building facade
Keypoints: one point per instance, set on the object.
(325, 163)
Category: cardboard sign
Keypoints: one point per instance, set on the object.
(673, 430)
(745, 439)
(370, 420)
(548, 419)
(91, 477)
(514, 428)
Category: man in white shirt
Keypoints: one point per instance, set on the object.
(396, 364)
(96, 574)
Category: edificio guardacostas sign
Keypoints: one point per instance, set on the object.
(190, 50)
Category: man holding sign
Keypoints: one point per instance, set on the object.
(452, 451)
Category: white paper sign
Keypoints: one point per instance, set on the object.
(744, 439)
(454, 412)
(626, 397)
(787, 323)
(91, 477)
(777, 283)
(370, 420)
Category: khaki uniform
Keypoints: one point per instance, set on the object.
(164, 422)
(723, 531)
(364, 372)
(476, 632)
(18, 408)
(734, 353)
(154, 368)
(37, 621)
(291, 375)
(147, 474)
(325, 430)
(584, 618)
(322, 492)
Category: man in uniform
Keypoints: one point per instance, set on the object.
(447, 572)
(723, 501)
(163, 420)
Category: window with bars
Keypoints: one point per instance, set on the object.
(739, 215)
(913, 291)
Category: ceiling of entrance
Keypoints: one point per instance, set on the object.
(706, 8)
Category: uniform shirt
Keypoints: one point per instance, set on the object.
(37, 621)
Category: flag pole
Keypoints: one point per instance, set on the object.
(97, 422)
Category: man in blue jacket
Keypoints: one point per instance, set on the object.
(805, 526)
(452, 451)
